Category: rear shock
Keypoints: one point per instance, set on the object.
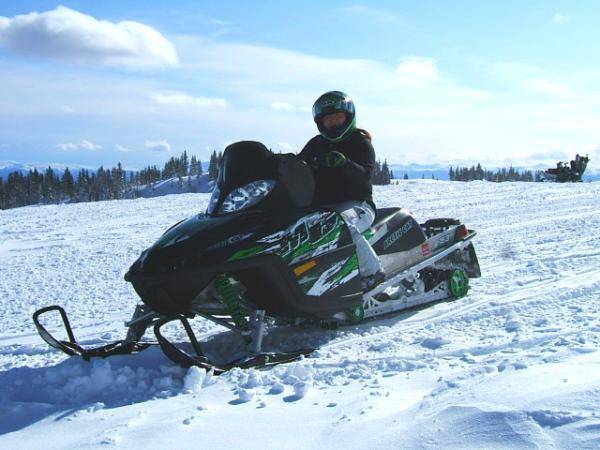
(231, 300)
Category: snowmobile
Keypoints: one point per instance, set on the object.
(261, 256)
(567, 172)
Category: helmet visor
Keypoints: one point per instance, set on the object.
(332, 104)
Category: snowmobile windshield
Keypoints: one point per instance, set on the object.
(247, 174)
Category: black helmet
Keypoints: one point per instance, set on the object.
(333, 102)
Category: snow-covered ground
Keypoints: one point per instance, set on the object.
(513, 364)
(177, 185)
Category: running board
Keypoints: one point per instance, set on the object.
(376, 308)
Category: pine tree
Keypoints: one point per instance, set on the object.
(49, 186)
(213, 166)
(2, 194)
(67, 185)
(193, 164)
(184, 164)
(385, 172)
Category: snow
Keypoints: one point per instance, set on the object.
(514, 364)
(176, 185)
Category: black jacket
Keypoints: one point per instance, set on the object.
(351, 181)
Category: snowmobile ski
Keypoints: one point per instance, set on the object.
(184, 359)
(72, 347)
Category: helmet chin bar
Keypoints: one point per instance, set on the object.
(339, 133)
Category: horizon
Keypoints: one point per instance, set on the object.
(413, 169)
(93, 84)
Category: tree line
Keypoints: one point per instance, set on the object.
(503, 174)
(46, 187)
(382, 174)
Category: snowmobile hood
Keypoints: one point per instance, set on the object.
(187, 228)
(196, 240)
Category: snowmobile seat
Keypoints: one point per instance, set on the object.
(382, 214)
(397, 230)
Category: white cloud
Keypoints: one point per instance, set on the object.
(544, 86)
(283, 106)
(416, 68)
(87, 145)
(74, 146)
(559, 18)
(67, 146)
(183, 99)
(66, 34)
(120, 148)
(379, 15)
(532, 79)
(66, 109)
(260, 74)
(158, 146)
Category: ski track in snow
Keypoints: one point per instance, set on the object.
(513, 364)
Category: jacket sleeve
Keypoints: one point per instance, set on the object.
(359, 169)
(308, 152)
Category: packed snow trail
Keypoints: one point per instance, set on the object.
(513, 364)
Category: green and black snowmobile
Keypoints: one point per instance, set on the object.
(262, 256)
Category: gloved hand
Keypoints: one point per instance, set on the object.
(333, 159)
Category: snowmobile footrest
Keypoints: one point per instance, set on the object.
(181, 357)
(72, 347)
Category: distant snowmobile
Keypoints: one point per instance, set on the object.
(571, 172)
(261, 256)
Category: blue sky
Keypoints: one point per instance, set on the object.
(447, 82)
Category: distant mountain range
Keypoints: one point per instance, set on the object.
(413, 171)
(7, 167)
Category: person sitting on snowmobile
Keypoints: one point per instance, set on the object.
(343, 159)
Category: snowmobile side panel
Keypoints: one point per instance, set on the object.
(402, 232)
(269, 281)
(172, 273)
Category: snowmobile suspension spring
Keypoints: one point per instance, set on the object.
(231, 299)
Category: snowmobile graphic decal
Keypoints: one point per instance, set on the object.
(308, 238)
(334, 276)
(311, 236)
(389, 241)
(229, 241)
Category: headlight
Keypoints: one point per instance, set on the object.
(246, 196)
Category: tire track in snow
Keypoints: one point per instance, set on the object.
(585, 278)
